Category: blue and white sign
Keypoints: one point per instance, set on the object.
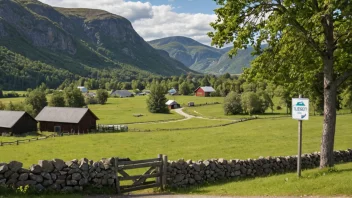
(300, 108)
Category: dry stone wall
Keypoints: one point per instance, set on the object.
(59, 175)
(183, 173)
(78, 174)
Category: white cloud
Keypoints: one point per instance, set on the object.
(150, 21)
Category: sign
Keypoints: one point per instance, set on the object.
(300, 108)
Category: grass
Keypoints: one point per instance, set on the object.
(191, 123)
(250, 139)
(316, 182)
(25, 136)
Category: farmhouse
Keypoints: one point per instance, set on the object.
(65, 119)
(17, 122)
(204, 91)
(121, 93)
(82, 89)
(172, 104)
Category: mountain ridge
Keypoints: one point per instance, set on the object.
(81, 41)
(203, 58)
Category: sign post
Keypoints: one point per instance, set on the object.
(300, 111)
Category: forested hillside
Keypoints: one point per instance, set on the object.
(81, 42)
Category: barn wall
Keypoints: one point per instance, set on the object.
(200, 92)
(88, 122)
(24, 125)
(7, 130)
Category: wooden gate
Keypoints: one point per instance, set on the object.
(157, 169)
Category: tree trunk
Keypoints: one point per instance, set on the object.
(327, 143)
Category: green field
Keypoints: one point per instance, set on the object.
(249, 139)
(191, 123)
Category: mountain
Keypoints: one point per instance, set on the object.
(203, 58)
(82, 42)
(188, 51)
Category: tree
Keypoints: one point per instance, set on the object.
(73, 97)
(185, 88)
(36, 100)
(102, 96)
(310, 36)
(156, 99)
(232, 104)
(57, 99)
(266, 101)
(250, 103)
(1, 94)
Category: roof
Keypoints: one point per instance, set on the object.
(63, 114)
(206, 89)
(171, 102)
(9, 118)
(172, 90)
(122, 93)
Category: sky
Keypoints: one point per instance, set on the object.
(154, 19)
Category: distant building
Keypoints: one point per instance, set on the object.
(172, 104)
(82, 89)
(17, 122)
(172, 91)
(204, 91)
(66, 119)
(121, 93)
(146, 92)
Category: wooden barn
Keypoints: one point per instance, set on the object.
(172, 104)
(17, 122)
(65, 119)
(204, 91)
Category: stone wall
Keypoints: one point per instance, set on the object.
(59, 175)
(78, 174)
(187, 173)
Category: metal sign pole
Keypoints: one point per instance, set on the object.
(299, 146)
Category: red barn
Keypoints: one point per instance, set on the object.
(204, 91)
(65, 119)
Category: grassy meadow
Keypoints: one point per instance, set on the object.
(251, 139)
(244, 140)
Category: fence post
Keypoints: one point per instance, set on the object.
(1, 143)
(158, 170)
(164, 174)
(117, 181)
(17, 142)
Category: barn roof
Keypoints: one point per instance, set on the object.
(9, 118)
(63, 114)
(122, 93)
(171, 102)
(206, 89)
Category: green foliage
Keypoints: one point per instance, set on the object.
(73, 97)
(185, 89)
(57, 99)
(1, 94)
(156, 99)
(251, 103)
(102, 96)
(347, 98)
(36, 101)
(232, 104)
(15, 107)
(90, 100)
(2, 106)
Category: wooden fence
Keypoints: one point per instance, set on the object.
(17, 142)
(157, 170)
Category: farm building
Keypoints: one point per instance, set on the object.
(82, 89)
(172, 104)
(204, 91)
(121, 93)
(65, 119)
(172, 91)
(17, 122)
